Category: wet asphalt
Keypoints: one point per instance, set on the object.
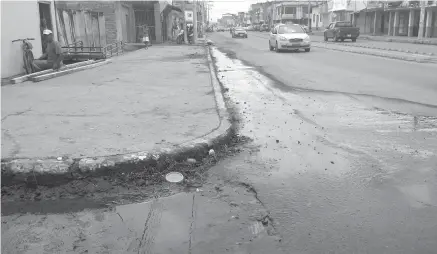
(344, 146)
(343, 150)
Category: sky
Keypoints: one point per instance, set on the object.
(230, 6)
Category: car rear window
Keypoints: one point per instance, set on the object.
(343, 24)
(289, 29)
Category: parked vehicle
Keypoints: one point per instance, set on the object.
(256, 28)
(341, 30)
(239, 32)
(249, 28)
(264, 28)
(220, 29)
(289, 37)
(28, 58)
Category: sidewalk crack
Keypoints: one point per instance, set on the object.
(192, 225)
(16, 114)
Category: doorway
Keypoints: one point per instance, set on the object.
(45, 21)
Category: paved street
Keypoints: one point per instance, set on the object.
(326, 70)
(344, 146)
(378, 44)
(341, 159)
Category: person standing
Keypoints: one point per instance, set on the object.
(146, 38)
(52, 58)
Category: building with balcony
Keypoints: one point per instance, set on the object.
(256, 12)
(399, 18)
(297, 12)
(228, 20)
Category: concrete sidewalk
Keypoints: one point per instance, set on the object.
(144, 103)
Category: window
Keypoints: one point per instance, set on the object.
(290, 10)
(289, 29)
(305, 9)
(343, 24)
(320, 17)
(314, 17)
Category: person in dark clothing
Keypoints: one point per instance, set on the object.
(52, 58)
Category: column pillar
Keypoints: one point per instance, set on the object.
(376, 23)
(158, 23)
(422, 21)
(390, 23)
(428, 25)
(411, 23)
(353, 20)
(396, 24)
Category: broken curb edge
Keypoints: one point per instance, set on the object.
(55, 171)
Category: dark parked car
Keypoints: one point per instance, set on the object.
(264, 28)
(341, 31)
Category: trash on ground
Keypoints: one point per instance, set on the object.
(211, 152)
(174, 177)
(191, 160)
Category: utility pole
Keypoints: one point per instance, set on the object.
(203, 17)
(195, 21)
(185, 23)
(309, 18)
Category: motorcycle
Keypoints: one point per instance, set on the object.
(180, 38)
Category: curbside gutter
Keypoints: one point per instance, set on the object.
(56, 171)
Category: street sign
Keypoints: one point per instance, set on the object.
(189, 16)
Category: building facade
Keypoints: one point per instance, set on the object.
(316, 18)
(297, 12)
(94, 23)
(417, 19)
(19, 20)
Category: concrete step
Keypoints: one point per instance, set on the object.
(69, 70)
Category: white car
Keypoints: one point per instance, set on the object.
(289, 37)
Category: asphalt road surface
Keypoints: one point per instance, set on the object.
(344, 145)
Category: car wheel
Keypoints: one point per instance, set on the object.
(325, 37)
(307, 50)
(277, 48)
(342, 40)
(354, 39)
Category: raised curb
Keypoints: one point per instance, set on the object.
(410, 58)
(55, 171)
(400, 40)
(354, 45)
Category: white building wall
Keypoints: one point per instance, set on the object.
(20, 19)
